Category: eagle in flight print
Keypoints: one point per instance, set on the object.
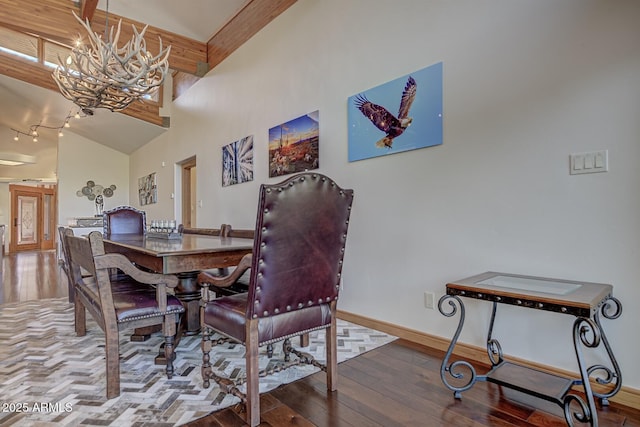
(384, 120)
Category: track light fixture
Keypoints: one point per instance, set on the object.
(33, 129)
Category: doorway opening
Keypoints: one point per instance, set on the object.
(188, 178)
(33, 217)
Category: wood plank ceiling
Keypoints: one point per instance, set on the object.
(52, 20)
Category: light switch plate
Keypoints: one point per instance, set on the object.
(589, 162)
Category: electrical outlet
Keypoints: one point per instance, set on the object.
(429, 299)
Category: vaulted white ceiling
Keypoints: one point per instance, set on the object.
(196, 19)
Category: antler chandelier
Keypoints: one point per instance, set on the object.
(102, 75)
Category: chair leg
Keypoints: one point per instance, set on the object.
(253, 373)
(80, 318)
(269, 351)
(113, 362)
(169, 326)
(286, 350)
(332, 352)
(206, 360)
(304, 340)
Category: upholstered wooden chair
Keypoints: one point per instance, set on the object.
(124, 220)
(65, 263)
(296, 264)
(138, 299)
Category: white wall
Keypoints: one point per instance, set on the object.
(71, 160)
(154, 155)
(525, 83)
(81, 160)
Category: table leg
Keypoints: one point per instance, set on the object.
(588, 333)
(456, 370)
(188, 291)
(610, 376)
(494, 349)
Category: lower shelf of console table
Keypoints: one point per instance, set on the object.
(531, 381)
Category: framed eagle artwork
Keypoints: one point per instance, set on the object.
(401, 115)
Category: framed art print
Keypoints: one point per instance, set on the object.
(401, 115)
(237, 162)
(147, 189)
(294, 145)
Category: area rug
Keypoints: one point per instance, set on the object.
(49, 376)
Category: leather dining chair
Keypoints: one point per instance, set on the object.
(124, 220)
(295, 273)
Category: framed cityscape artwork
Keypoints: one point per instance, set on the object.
(294, 145)
(237, 162)
(401, 115)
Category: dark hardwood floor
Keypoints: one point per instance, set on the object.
(399, 385)
(30, 276)
(395, 385)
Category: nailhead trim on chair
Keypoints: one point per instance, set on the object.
(282, 338)
(293, 335)
(157, 314)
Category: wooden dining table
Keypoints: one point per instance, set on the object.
(185, 257)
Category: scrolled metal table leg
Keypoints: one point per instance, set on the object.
(584, 416)
(610, 376)
(455, 369)
(494, 349)
(585, 332)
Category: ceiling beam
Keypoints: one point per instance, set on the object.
(39, 75)
(53, 20)
(254, 16)
(187, 55)
(87, 9)
(190, 59)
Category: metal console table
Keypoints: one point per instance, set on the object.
(586, 301)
